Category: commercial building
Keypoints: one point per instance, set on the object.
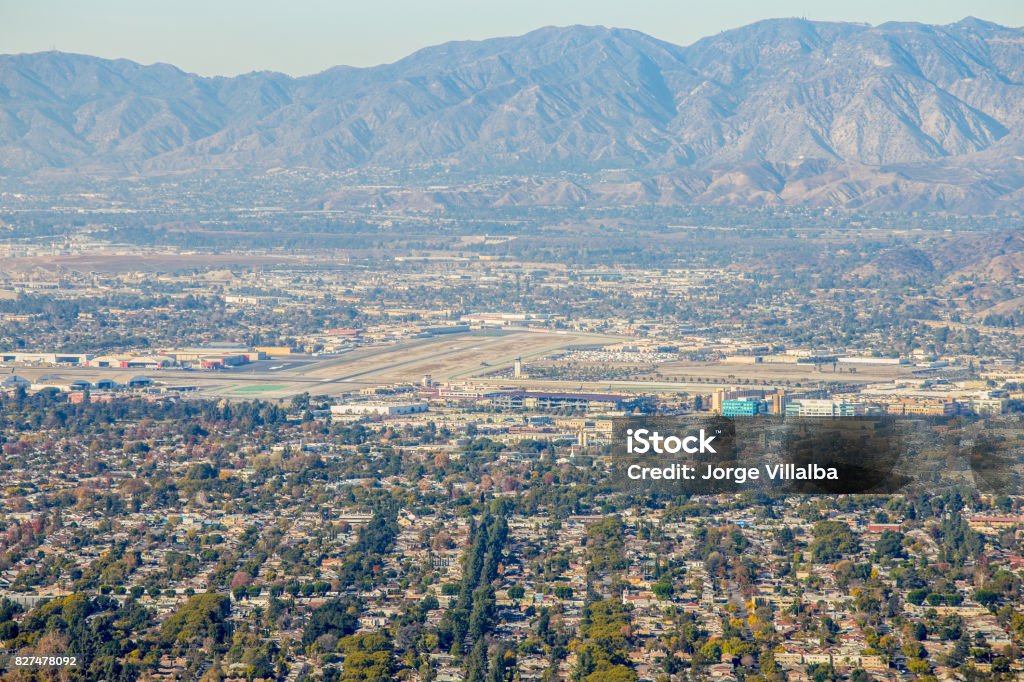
(781, 399)
(721, 395)
(379, 409)
(214, 356)
(988, 404)
(867, 360)
(503, 319)
(222, 361)
(744, 407)
(45, 358)
(936, 407)
(274, 351)
(132, 361)
(556, 400)
(467, 393)
(449, 329)
(811, 407)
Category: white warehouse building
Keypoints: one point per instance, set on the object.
(379, 409)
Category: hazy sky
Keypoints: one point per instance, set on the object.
(304, 36)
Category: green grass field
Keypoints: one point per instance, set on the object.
(259, 388)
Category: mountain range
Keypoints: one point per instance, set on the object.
(783, 112)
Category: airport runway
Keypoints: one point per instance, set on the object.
(454, 357)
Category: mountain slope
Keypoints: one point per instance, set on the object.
(782, 111)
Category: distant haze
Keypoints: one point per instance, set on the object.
(226, 37)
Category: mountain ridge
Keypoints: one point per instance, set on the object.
(779, 112)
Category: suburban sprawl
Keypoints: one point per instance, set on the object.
(350, 463)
